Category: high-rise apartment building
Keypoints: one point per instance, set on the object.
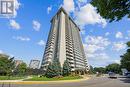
(64, 42)
(34, 64)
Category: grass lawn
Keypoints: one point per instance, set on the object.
(53, 79)
(11, 78)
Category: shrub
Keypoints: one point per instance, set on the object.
(54, 69)
(66, 68)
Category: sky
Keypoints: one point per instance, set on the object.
(24, 36)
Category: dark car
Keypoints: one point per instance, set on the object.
(127, 74)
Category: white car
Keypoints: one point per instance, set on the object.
(112, 75)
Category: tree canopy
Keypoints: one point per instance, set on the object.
(125, 58)
(21, 69)
(112, 9)
(66, 68)
(99, 69)
(6, 64)
(128, 44)
(114, 67)
(54, 69)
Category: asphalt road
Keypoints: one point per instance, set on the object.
(93, 82)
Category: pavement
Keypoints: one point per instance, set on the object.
(92, 82)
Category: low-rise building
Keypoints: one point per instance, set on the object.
(18, 62)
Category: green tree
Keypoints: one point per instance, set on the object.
(66, 68)
(91, 71)
(11, 66)
(112, 9)
(114, 67)
(99, 69)
(54, 69)
(21, 69)
(125, 59)
(6, 64)
(128, 44)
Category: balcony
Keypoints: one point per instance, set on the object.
(71, 61)
(72, 65)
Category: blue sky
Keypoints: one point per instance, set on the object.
(25, 35)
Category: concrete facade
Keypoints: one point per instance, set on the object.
(64, 42)
(34, 64)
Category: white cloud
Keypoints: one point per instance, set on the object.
(119, 35)
(95, 46)
(36, 25)
(17, 5)
(117, 61)
(49, 9)
(107, 33)
(14, 24)
(87, 14)
(21, 38)
(113, 61)
(82, 1)
(119, 46)
(1, 51)
(92, 48)
(99, 57)
(126, 38)
(41, 43)
(97, 40)
(68, 5)
(128, 33)
(84, 13)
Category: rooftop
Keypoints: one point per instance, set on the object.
(63, 10)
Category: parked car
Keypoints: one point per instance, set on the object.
(112, 75)
(128, 74)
